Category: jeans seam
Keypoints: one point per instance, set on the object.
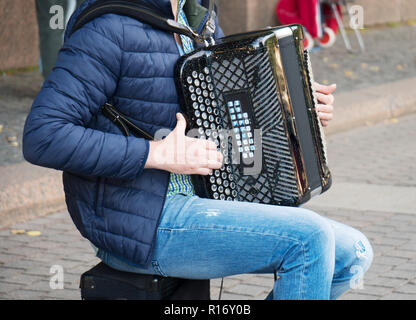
(157, 269)
(227, 230)
(302, 280)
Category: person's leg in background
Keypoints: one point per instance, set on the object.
(303, 12)
(204, 239)
(51, 38)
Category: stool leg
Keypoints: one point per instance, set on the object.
(341, 28)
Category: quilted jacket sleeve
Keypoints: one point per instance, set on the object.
(56, 133)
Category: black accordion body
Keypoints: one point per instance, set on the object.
(252, 95)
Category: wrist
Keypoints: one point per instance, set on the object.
(151, 162)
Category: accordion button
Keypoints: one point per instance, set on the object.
(193, 97)
(227, 191)
(215, 195)
(219, 181)
(204, 116)
(222, 197)
(205, 93)
(208, 132)
(197, 113)
(214, 104)
(200, 99)
(211, 118)
(220, 189)
(189, 80)
(191, 89)
(203, 85)
(208, 79)
(195, 105)
(230, 199)
(209, 109)
(206, 70)
(201, 77)
(231, 178)
(196, 82)
(217, 173)
(226, 183)
(213, 127)
(234, 193)
(198, 91)
(201, 107)
(199, 122)
(214, 187)
(210, 87)
(195, 74)
(206, 124)
(212, 95)
(207, 101)
(224, 175)
(212, 179)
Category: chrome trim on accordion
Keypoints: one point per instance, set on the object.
(251, 81)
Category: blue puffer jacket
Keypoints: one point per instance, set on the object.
(112, 199)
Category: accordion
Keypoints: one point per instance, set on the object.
(252, 94)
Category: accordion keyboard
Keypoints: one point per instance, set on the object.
(207, 117)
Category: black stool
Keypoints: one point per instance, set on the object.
(104, 283)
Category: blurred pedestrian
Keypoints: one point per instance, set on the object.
(316, 16)
(52, 16)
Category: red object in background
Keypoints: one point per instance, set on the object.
(308, 14)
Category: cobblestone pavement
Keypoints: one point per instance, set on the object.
(389, 56)
(380, 156)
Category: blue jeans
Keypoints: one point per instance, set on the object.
(314, 257)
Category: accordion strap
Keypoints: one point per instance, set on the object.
(125, 125)
(146, 14)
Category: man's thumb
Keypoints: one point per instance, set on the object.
(181, 124)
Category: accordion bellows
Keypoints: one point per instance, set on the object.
(252, 94)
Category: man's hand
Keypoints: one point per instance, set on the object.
(326, 102)
(178, 153)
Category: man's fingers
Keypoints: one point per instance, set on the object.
(210, 145)
(325, 98)
(323, 88)
(214, 164)
(327, 108)
(201, 171)
(325, 116)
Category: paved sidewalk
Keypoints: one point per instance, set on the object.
(378, 161)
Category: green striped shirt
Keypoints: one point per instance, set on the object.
(181, 183)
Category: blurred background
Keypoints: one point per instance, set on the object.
(371, 141)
